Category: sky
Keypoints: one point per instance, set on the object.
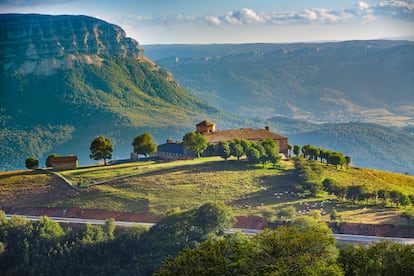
(242, 21)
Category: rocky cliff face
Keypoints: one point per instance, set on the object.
(44, 43)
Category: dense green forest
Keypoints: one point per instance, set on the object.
(189, 243)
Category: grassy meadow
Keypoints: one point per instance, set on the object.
(156, 188)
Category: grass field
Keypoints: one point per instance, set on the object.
(155, 188)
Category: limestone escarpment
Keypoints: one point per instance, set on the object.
(42, 43)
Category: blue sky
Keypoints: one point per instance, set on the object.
(231, 21)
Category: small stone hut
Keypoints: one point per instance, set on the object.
(64, 162)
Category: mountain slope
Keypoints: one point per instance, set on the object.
(67, 79)
(369, 81)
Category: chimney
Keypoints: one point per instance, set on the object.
(267, 128)
(169, 140)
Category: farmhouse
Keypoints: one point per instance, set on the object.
(208, 129)
(175, 150)
(172, 150)
(64, 162)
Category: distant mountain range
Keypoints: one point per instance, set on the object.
(67, 79)
(369, 81)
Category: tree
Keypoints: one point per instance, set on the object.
(358, 192)
(101, 148)
(195, 142)
(329, 184)
(340, 191)
(223, 150)
(399, 198)
(253, 155)
(296, 150)
(32, 163)
(109, 227)
(336, 159)
(232, 255)
(246, 144)
(189, 228)
(284, 251)
(335, 215)
(325, 155)
(383, 195)
(287, 212)
(381, 258)
(305, 150)
(290, 149)
(48, 162)
(313, 152)
(236, 149)
(271, 151)
(348, 161)
(143, 144)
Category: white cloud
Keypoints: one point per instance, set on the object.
(408, 4)
(213, 20)
(362, 5)
(360, 12)
(308, 14)
(400, 9)
(243, 16)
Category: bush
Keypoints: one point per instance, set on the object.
(32, 163)
(287, 212)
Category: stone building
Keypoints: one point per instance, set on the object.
(175, 150)
(64, 162)
(205, 127)
(208, 129)
(172, 150)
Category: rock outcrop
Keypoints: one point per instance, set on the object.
(43, 43)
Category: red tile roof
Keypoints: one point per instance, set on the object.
(242, 133)
(57, 159)
(205, 123)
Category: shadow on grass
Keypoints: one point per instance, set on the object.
(22, 173)
(96, 199)
(276, 189)
(210, 166)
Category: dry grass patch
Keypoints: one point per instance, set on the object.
(32, 188)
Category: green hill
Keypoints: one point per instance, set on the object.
(155, 188)
(63, 112)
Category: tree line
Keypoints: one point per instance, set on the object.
(324, 155)
(361, 193)
(310, 181)
(190, 242)
(44, 247)
(260, 152)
